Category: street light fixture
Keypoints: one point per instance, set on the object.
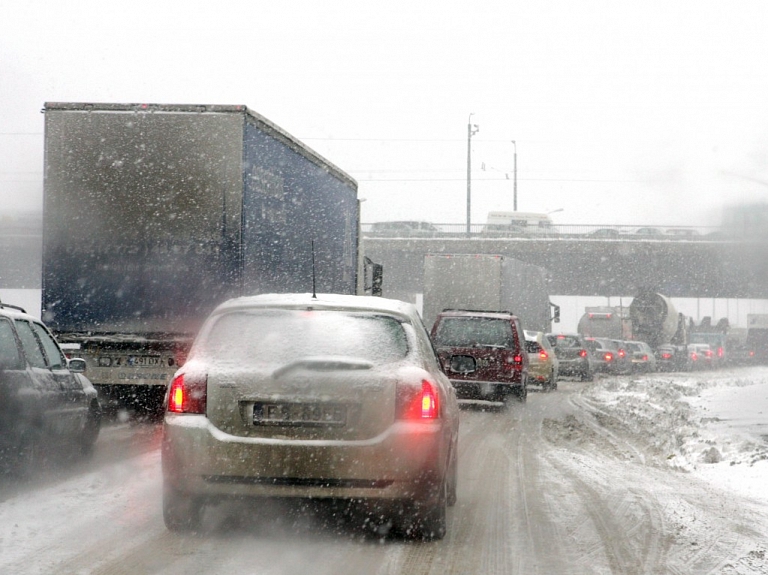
(472, 129)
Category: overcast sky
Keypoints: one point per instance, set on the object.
(652, 112)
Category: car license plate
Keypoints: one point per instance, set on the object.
(144, 361)
(299, 414)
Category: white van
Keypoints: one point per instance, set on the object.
(518, 223)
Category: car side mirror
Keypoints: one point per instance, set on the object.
(76, 365)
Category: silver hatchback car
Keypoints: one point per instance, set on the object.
(297, 396)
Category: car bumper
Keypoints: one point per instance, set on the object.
(568, 367)
(485, 389)
(540, 373)
(402, 463)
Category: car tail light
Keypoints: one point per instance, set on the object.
(418, 403)
(513, 361)
(694, 356)
(582, 353)
(608, 356)
(543, 355)
(645, 358)
(622, 354)
(708, 353)
(188, 393)
(720, 352)
(751, 353)
(666, 355)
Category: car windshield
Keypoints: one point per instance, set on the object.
(276, 337)
(469, 332)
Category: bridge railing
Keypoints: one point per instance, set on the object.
(564, 231)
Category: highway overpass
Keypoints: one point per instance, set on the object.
(577, 263)
(586, 266)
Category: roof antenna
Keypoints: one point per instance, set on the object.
(314, 290)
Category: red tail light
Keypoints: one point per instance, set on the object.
(188, 394)
(418, 404)
(666, 355)
(751, 353)
(513, 361)
(720, 352)
(608, 356)
(694, 356)
(543, 355)
(622, 353)
(708, 353)
(645, 358)
(582, 353)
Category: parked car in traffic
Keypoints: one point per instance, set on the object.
(47, 404)
(519, 223)
(326, 397)
(605, 233)
(650, 232)
(483, 354)
(543, 365)
(598, 356)
(624, 359)
(610, 355)
(573, 355)
(642, 357)
(683, 233)
(700, 356)
(672, 358)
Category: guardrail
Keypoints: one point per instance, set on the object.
(564, 231)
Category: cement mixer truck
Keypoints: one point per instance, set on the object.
(656, 322)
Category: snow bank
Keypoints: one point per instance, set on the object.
(713, 424)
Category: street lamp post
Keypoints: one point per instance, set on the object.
(514, 197)
(472, 129)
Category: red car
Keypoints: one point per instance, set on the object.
(483, 354)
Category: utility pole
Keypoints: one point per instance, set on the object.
(514, 204)
(472, 129)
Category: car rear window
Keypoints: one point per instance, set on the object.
(274, 337)
(532, 346)
(565, 341)
(592, 345)
(474, 331)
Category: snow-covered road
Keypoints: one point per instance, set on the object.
(666, 473)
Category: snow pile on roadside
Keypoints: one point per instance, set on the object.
(714, 424)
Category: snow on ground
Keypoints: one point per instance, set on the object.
(712, 424)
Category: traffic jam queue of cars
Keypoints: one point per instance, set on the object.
(284, 395)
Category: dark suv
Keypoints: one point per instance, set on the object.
(46, 402)
(483, 354)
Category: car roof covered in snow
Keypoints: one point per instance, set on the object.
(321, 301)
